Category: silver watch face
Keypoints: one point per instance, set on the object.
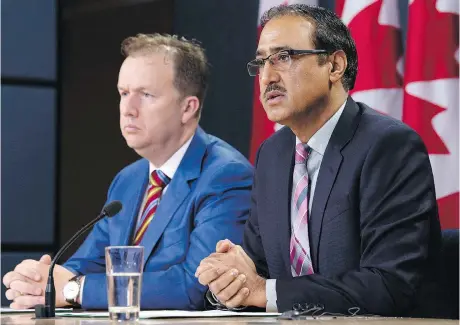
(71, 290)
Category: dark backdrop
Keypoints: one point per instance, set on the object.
(92, 149)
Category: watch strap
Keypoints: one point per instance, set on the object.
(73, 302)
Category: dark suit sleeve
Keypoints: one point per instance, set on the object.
(398, 214)
(252, 243)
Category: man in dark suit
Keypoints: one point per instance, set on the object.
(343, 209)
(188, 190)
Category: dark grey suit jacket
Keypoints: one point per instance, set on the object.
(374, 228)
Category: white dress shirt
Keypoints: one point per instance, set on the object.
(318, 143)
(169, 168)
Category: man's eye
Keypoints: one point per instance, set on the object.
(258, 62)
(283, 57)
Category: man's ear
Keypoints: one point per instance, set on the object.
(190, 108)
(338, 66)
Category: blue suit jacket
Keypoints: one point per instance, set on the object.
(207, 200)
(374, 229)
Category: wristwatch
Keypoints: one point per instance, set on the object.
(72, 289)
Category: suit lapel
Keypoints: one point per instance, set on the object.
(327, 174)
(178, 189)
(282, 206)
(329, 169)
(125, 221)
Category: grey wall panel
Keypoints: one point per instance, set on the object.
(28, 160)
(29, 39)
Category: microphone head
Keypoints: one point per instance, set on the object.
(112, 208)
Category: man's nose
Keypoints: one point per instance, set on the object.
(268, 75)
(130, 106)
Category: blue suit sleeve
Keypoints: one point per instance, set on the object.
(222, 208)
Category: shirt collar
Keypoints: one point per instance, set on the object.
(169, 168)
(318, 142)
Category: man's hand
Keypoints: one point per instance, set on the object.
(231, 275)
(26, 284)
(223, 246)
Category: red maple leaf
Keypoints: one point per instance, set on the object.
(431, 44)
(379, 49)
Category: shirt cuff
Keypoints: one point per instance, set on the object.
(270, 288)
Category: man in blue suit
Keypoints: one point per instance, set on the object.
(344, 215)
(202, 185)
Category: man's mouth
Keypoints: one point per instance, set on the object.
(275, 96)
(130, 128)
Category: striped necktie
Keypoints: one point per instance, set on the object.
(300, 246)
(158, 181)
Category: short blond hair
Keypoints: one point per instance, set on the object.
(191, 69)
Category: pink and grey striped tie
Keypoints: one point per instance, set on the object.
(300, 246)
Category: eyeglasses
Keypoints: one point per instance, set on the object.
(280, 61)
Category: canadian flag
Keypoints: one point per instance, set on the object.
(262, 127)
(374, 25)
(427, 97)
(431, 90)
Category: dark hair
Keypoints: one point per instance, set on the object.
(191, 69)
(331, 34)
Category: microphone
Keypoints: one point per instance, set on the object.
(48, 309)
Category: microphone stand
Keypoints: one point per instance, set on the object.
(48, 310)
